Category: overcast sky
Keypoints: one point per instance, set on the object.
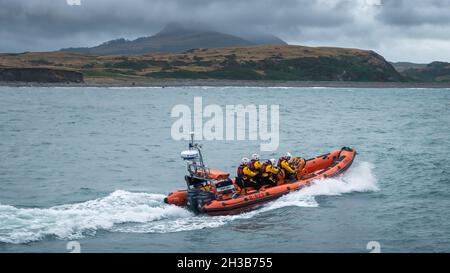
(400, 30)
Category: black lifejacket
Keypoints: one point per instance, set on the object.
(264, 166)
(252, 165)
(240, 170)
(281, 160)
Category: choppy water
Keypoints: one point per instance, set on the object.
(93, 165)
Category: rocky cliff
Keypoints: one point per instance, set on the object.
(41, 75)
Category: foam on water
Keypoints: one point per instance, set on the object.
(123, 211)
(21, 225)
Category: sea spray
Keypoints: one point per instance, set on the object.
(72, 221)
(357, 179)
(123, 211)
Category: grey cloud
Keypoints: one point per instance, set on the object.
(55, 19)
(413, 13)
(29, 25)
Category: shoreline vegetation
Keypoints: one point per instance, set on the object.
(263, 65)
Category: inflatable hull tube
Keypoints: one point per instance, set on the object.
(321, 167)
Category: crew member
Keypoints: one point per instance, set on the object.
(285, 166)
(269, 173)
(255, 166)
(246, 177)
(255, 163)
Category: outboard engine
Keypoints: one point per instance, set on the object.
(196, 199)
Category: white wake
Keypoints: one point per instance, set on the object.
(123, 211)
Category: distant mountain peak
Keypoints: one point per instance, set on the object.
(176, 38)
(173, 28)
(114, 42)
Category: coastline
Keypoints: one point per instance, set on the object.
(232, 83)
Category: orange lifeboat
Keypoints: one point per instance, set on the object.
(217, 195)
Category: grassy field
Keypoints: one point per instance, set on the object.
(278, 62)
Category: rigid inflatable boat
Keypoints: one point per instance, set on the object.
(214, 193)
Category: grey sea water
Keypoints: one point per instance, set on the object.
(93, 165)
